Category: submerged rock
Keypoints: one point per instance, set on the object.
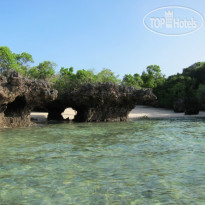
(100, 102)
(18, 96)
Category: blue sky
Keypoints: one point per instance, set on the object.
(96, 34)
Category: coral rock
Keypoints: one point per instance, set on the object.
(18, 96)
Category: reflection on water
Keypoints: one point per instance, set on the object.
(140, 162)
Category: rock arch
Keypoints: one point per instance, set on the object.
(100, 102)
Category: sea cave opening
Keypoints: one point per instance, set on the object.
(39, 114)
(15, 108)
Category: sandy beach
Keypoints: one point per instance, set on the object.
(140, 111)
(150, 112)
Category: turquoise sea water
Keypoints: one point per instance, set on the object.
(137, 162)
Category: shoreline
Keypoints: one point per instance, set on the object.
(140, 111)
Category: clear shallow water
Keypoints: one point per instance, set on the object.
(140, 162)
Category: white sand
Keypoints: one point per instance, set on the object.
(42, 116)
(140, 111)
(150, 112)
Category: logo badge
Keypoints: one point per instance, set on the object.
(173, 21)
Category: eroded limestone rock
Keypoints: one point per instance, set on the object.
(18, 96)
(100, 102)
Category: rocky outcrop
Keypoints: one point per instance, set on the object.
(191, 106)
(18, 96)
(93, 102)
(179, 106)
(100, 102)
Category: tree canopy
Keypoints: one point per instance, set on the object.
(44, 70)
(132, 80)
(7, 59)
(68, 80)
(153, 77)
(19, 62)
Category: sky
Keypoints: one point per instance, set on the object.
(97, 34)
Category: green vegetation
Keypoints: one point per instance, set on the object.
(189, 84)
(153, 77)
(174, 88)
(22, 64)
(44, 70)
(149, 79)
(70, 80)
(132, 80)
(8, 60)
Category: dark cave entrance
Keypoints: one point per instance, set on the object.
(61, 113)
(15, 108)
